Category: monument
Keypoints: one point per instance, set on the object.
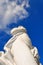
(19, 49)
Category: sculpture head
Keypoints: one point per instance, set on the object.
(16, 32)
(19, 49)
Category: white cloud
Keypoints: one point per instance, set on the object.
(12, 9)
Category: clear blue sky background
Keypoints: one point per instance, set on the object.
(33, 24)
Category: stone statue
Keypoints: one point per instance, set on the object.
(19, 50)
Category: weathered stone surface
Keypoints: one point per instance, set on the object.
(19, 50)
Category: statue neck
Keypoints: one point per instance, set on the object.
(9, 44)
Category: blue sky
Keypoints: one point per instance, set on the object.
(34, 25)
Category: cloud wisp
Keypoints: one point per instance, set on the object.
(12, 9)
